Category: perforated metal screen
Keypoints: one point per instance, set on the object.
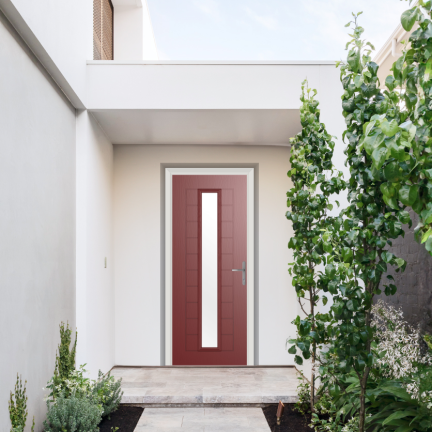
(103, 30)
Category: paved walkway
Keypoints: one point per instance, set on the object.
(207, 386)
(202, 420)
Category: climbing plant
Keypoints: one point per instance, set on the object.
(358, 255)
(314, 180)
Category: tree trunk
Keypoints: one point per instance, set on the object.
(362, 413)
(312, 388)
(312, 309)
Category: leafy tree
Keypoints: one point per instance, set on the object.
(409, 168)
(309, 199)
(359, 258)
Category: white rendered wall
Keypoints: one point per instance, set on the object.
(128, 33)
(65, 30)
(37, 223)
(137, 245)
(95, 289)
(211, 85)
(133, 32)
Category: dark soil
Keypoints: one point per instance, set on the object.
(291, 420)
(125, 418)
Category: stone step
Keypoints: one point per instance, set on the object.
(167, 386)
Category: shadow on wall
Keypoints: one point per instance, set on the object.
(414, 286)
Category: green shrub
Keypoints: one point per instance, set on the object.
(108, 392)
(65, 362)
(75, 385)
(18, 408)
(303, 392)
(73, 414)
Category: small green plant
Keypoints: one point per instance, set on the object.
(76, 384)
(65, 362)
(108, 392)
(72, 414)
(303, 391)
(18, 408)
(326, 417)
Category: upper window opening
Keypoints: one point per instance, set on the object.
(103, 30)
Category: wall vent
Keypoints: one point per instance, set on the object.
(103, 30)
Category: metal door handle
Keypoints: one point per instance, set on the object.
(243, 269)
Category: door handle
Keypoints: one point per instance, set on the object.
(243, 270)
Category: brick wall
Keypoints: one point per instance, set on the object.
(414, 292)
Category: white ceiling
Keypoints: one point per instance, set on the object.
(249, 127)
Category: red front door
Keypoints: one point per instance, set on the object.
(209, 242)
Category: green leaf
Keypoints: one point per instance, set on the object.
(373, 141)
(428, 245)
(379, 156)
(404, 217)
(330, 271)
(389, 82)
(324, 300)
(404, 428)
(304, 328)
(327, 247)
(392, 171)
(352, 305)
(400, 262)
(347, 255)
(426, 235)
(428, 72)
(408, 18)
(398, 415)
(387, 256)
(298, 360)
(292, 350)
(408, 194)
(389, 128)
(354, 339)
(354, 60)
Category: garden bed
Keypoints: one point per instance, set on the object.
(125, 419)
(292, 421)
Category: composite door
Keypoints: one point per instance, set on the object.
(209, 269)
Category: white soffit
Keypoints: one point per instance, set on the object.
(212, 126)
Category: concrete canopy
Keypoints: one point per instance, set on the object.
(160, 102)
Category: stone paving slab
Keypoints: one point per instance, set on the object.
(202, 420)
(148, 385)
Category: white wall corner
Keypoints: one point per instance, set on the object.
(81, 234)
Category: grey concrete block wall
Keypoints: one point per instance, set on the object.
(37, 222)
(414, 294)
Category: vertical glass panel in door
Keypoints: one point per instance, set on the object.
(209, 270)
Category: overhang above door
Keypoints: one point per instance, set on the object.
(203, 126)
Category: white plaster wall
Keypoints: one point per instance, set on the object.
(95, 289)
(150, 51)
(128, 32)
(133, 32)
(211, 85)
(37, 223)
(137, 245)
(65, 29)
